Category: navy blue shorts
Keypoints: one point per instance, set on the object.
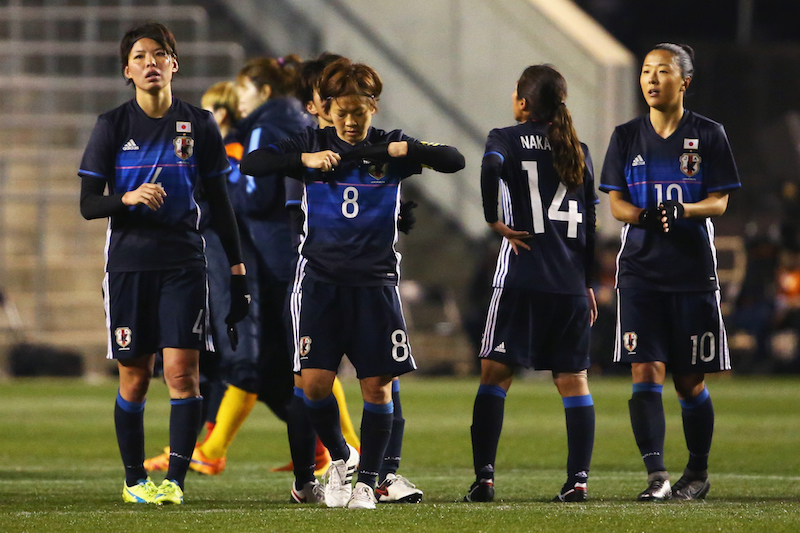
(150, 310)
(539, 330)
(684, 330)
(366, 323)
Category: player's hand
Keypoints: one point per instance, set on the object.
(240, 306)
(324, 161)
(671, 210)
(650, 219)
(149, 194)
(407, 218)
(592, 305)
(515, 238)
(398, 149)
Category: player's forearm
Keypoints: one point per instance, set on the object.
(94, 204)
(715, 205)
(491, 169)
(223, 219)
(439, 157)
(623, 210)
(263, 162)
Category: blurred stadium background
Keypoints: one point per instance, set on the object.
(449, 67)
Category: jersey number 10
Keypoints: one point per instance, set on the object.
(571, 216)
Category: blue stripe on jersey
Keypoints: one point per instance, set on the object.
(502, 158)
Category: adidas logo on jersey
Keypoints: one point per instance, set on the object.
(638, 160)
(130, 145)
(501, 348)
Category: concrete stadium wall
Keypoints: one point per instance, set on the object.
(449, 68)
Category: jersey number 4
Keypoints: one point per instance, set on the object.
(571, 216)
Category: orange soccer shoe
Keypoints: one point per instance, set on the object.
(158, 463)
(322, 458)
(202, 464)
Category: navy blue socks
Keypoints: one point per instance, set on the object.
(579, 412)
(324, 416)
(391, 459)
(487, 423)
(185, 418)
(129, 423)
(302, 439)
(698, 428)
(649, 427)
(376, 427)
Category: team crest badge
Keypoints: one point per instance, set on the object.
(378, 170)
(305, 346)
(184, 146)
(690, 164)
(123, 337)
(630, 340)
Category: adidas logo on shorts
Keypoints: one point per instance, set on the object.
(501, 348)
(130, 145)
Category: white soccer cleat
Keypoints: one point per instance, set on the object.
(338, 480)
(397, 489)
(363, 497)
(658, 488)
(312, 492)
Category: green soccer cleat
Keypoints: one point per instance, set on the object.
(169, 493)
(142, 492)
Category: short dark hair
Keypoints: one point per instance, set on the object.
(310, 73)
(345, 78)
(149, 30)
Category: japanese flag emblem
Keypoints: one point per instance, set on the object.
(630, 340)
(183, 127)
(305, 345)
(691, 144)
(123, 337)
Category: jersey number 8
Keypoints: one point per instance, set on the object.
(350, 202)
(571, 216)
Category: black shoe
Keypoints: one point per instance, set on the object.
(481, 491)
(691, 486)
(572, 493)
(658, 488)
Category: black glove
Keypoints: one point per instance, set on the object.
(672, 210)
(240, 306)
(407, 218)
(650, 219)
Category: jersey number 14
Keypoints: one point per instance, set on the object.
(571, 216)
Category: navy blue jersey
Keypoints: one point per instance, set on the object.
(534, 200)
(128, 148)
(350, 227)
(692, 162)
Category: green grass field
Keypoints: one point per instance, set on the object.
(60, 468)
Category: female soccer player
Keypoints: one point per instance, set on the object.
(392, 488)
(666, 173)
(260, 368)
(543, 306)
(345, 297)
(153, 152)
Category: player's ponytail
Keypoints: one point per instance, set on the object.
(280, 74)
(545, 90)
